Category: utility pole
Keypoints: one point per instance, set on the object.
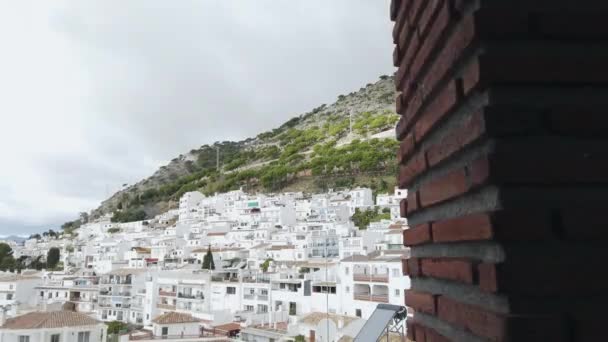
(217, 158)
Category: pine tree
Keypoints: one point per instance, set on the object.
(208, 263)
(52, 257)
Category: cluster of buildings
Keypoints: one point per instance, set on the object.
(284, 265)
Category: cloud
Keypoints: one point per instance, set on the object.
(102, 93)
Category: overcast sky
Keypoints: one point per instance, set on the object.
(95, 94)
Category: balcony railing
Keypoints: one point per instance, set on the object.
(376, 278)
(371, 298)
(249, 296)
(165, 306)
(190, 296)
(166, 293)
(225, 280)
(262, 297)
(115, 294)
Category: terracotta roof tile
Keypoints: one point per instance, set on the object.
(175, 318)
(51, 319)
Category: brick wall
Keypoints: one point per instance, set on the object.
(504, 150)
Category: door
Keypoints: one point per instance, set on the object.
(165, 332)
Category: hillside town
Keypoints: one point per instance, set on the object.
(250, 267)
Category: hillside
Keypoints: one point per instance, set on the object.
(310, 152)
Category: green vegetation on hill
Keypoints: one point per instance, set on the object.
(310, 152)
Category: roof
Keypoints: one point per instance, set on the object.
(142, 250)
(175, 318)
(228, 327)
(126, 271)
(355, 258)
(314, 318)
(51, 319)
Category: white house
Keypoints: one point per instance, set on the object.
(53, 326)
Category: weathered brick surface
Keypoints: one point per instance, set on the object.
(420, 301)
(449, 269)
(503, 149)
(417, 235)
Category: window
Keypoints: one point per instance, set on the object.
(397, 292)
(262, 308)
(83, 336)
(348, 289)
(396, 272)
(248, 307)
(24, 338)
(55, 338)
(9, 296)
(357, 313)
(41, 293)
(346, 270)
(231, 290)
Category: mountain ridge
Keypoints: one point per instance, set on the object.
(273, 160)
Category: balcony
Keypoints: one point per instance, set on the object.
(166, 293)
(371, 298)
(190, 296)
(224, 279)
(114, 294)
(376, 278)
(263, 297)
(249, 296)
(165, 306)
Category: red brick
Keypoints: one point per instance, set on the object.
(581, 25)
(470, 130)
(543, 161)
(470, 77)
(418, 235)
(465, 228)
(472, 319)
(410, 329)
(395, 6)
(450, 269)
(434, 336)
(436, 110)
(585, 223)
(412, 201)
(421, 301)
(487, 277)
(429, 44)
(396, 57)
(411, 169)
(413, 267)
(406, 148)
(507, 225)
(541, 66)
(419, 333)
(462, 38)
(403, 208)
(578, 123)
(444, 188)
(399, 104)
(479, 172)
(430, 41)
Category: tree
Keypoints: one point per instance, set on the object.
(208, 263)
(84, 217)
(7, 262)
(52, 257)
(299, 338)
(115, 327)
(265, 265)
